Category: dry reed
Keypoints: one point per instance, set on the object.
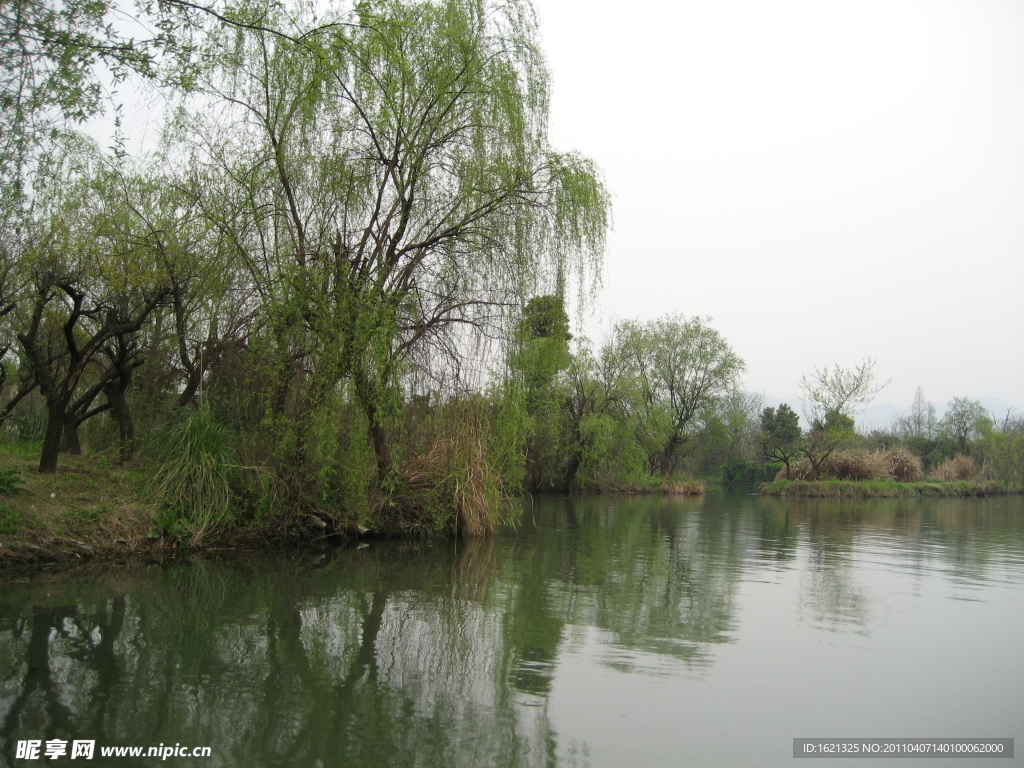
(879, 465)
(957, 468)
(905, 467)
(452, 487)
(678, 488)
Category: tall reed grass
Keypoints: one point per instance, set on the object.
(454, 486)
(879, 465)
(957, 468)
(193, 484)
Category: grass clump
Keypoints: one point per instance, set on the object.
(904, 466)
(192, 487)
(957, 468)
(453, 487)
(10, 481)
(12, 519)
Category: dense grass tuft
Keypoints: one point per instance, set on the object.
(954, 469)
(454, 487)
(192, 486)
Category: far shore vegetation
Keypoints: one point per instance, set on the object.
(331, 301)
(886, 488)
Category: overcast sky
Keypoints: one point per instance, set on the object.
(828, 179)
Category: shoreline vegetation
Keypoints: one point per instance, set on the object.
(888, 473)
(97, 508)
(333, 299)
(886, 488)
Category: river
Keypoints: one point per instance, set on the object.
(600, 631)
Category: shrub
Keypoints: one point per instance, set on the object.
(744, 472)
(957, 468)
(905, 467)
(857, 466)
(879, 465)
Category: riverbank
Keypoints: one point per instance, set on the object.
(95, 507)
(650, 485)
(91, 507)
(886, 488)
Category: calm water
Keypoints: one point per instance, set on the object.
(605, 631)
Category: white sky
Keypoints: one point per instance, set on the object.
(828, 179)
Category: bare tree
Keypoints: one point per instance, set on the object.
(839, 391)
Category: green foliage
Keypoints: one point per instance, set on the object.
(12, 519)
(964, 422)
(682, 370)
(193, 484)
(780, 434)
(834, 391)
(653, 395)
(1003, 452)
(545, 318)
(48, 75)
(781, 427)
(27, 425)
(10, 481)
(746, 472)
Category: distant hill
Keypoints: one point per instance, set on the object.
(881, 415)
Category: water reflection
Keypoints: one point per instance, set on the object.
(439, 653)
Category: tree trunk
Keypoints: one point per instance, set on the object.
(51, 440)
(379, 438)
(187, 396)
(70, 442)
(125, 424)
(570, 471)
(366, 394)
(668, 456)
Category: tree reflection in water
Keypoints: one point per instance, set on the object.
(433, 652)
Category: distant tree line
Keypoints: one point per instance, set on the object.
(655, 399)
(966, 443)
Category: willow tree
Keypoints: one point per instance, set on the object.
(683, 370)
(394, 193)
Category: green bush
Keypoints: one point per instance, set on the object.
(746, 472)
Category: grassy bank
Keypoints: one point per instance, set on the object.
(91, 507)
(885, 488)
(94, 506)
(673, 486)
